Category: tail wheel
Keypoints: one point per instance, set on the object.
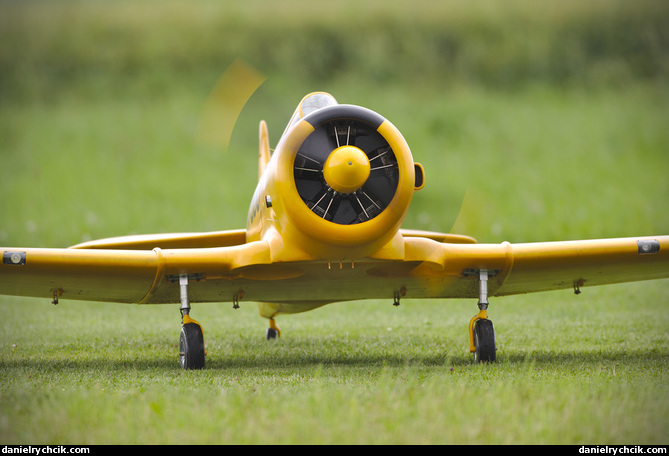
(191, 347)
(484, 341)
(273, 332)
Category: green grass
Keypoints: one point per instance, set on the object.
(99, 109)
(572, 370)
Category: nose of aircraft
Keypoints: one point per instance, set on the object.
(346, 169)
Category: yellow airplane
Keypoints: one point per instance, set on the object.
(323, 227)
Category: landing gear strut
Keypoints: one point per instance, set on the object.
(481, 330)
(191, 341)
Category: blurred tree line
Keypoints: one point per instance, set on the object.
(46, 45)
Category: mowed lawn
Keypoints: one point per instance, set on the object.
(571, 370)
(535, 162)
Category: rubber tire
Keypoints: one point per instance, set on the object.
(484, 341)
(271, 334)
(191, 347)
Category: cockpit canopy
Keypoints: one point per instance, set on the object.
(310, 103)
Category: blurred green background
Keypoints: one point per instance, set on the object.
(551, 117)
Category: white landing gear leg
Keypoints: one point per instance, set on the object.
(191, 341)
(481, 330)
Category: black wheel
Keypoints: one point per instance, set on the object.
(191, 347)
(484, 341)
(272, 334)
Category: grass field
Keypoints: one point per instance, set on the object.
(547, 122)
(572, 370)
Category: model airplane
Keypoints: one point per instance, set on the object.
(324, 226)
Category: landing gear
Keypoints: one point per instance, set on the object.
(273, 332)
(191, 341)
(481, 330)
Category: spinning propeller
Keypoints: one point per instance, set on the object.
(345, 171)
(327, 188)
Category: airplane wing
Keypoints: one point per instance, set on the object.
(542, 266)
(559, 265)
(431, 266)
(125, 276)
